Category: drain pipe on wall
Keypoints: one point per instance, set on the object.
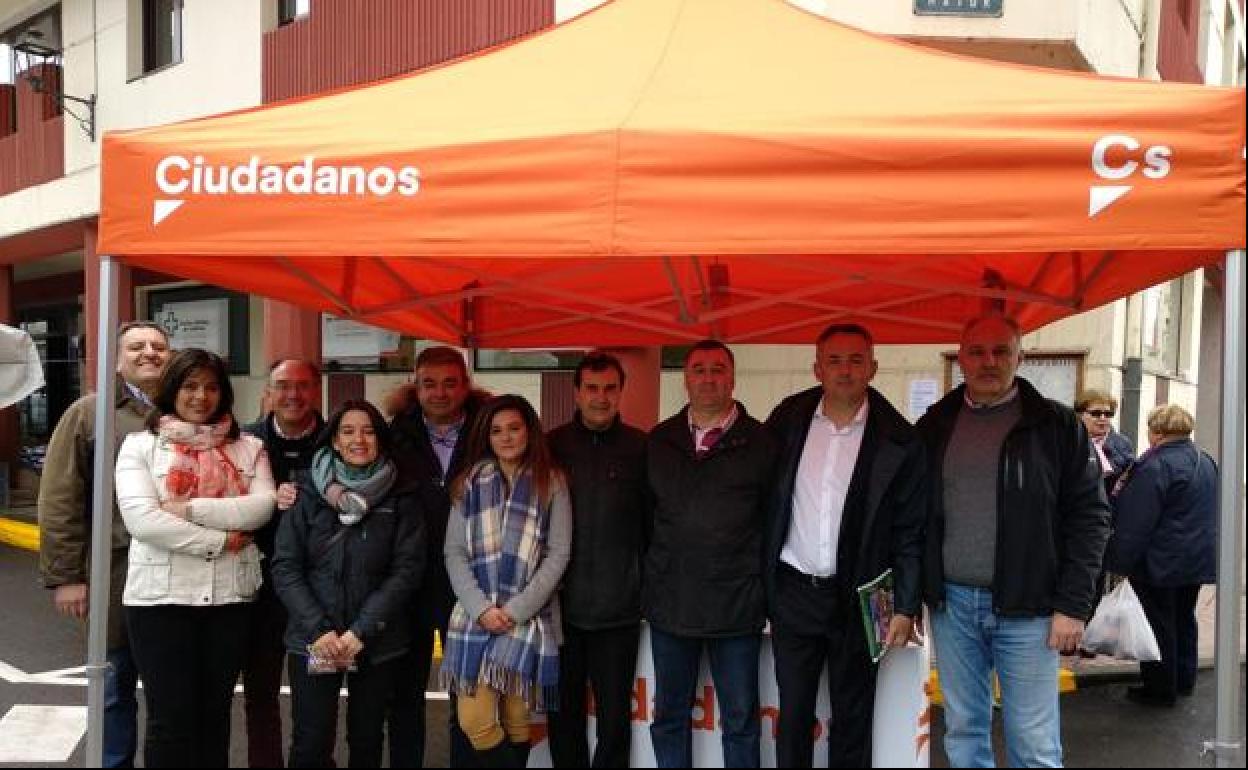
(1129, 412)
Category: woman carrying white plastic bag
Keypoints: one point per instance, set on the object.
(1165, 535)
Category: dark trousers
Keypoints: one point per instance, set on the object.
(121, 708)
(189, 659)
(406, 719)
(734, 670)
(314, 706)
(606, 660)
(813, 626)
(1172, 614)
(262, 681)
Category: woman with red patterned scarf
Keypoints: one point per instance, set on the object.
(191, 491)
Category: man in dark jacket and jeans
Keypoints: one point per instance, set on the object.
(601, 596)
(1017, 528)
(709, 470)
(849, 503)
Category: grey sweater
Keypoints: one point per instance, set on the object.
(528, 602)
(972, 461)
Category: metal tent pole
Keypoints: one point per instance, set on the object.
(102, 511)
(1227, 743)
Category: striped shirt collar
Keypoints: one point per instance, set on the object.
(1010, 395)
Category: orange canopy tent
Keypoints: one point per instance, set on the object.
(664, 170)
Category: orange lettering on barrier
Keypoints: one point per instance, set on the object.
(707, 704)
(772, 713)
(641, 701)
(537, 732)
(920, 741)
(924, 731)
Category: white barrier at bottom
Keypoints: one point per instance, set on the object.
(901, 732)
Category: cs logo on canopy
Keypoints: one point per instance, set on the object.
(1119, 158)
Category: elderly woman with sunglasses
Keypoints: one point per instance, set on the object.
(1097, 409)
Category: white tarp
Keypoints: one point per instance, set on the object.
(21, 373)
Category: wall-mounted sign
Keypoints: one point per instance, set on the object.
(1056, 376)
(958, 7)
(341, 338)
(203, 323)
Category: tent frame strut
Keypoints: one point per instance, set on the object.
(104, 464)
(610, 316)
(456, 329)
(835, 312)
(343, 306)
(683, 315)
(1227, 745)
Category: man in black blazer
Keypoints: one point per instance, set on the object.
(849, 503)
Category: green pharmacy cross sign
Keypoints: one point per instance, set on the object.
(958, 7)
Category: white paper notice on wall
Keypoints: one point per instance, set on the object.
(923, 393)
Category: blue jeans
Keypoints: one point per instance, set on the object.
(121, 709)
(734, 670)
(971, 642)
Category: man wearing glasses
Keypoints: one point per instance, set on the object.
(289, 432)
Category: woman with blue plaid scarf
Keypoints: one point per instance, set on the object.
(507, 543)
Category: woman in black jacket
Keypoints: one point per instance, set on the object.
(1164, 541)
(349, 555)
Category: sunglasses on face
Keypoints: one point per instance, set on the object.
(1100, 413)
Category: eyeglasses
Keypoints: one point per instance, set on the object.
(292, 387)
(1100, 413)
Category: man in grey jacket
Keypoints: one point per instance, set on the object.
(65, 521)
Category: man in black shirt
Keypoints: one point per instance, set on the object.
(289, 433)
(601, 595)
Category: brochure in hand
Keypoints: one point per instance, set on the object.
(875, 599)
(319, 665)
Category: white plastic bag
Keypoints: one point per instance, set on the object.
(1120, 628)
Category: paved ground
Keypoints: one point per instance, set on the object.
(1100, 728)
